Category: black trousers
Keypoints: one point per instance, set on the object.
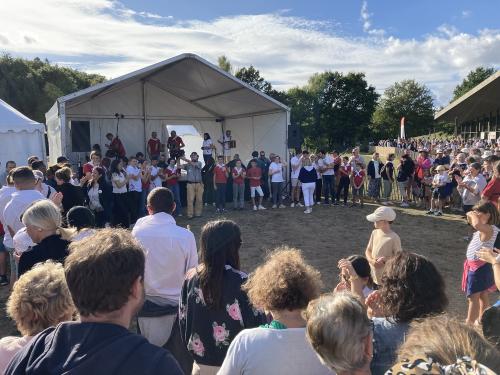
(318, 190)
(134, 198)
(120, 210)
(343, 187)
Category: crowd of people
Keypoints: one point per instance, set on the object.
(197, 311)
(77, 286)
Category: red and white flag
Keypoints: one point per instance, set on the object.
(402, 135)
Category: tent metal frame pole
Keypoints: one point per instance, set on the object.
(144, 114)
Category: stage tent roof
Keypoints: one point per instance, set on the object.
(183, 90)
(20, 137)
(476, 103)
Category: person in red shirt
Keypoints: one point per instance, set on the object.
(170, 179)
(492, 191)
(175, 145)
(116, 145)
(239, 174)
(220, 181)
(95, 161)
(358, 181)
(254, 175)
(344, 179)
(154, 146)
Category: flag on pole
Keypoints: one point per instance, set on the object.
(402, 135)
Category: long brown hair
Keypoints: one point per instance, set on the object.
(220, 242)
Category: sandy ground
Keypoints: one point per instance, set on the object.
(331, 233)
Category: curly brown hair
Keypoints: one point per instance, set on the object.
(284, 282)
(412, 288)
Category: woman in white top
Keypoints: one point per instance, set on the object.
(119, 180)
(276, 173)
(283, 286)
(207, 147)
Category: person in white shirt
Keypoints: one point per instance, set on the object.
(207, 147)
(46, 190)
(225, 141)
(279, 347)
(134, 188)
(155, 173)
(25, 194)
(471, 187)
(439, 182)
(119, 181)
(170, 252)
(295, 164)
(327, 164)
(6, 245)
(276, 173)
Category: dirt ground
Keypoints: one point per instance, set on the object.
(329, 234)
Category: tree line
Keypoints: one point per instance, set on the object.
(333, 109)
(341, 109)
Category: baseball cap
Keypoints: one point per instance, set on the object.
(382, 213)
(439, 151)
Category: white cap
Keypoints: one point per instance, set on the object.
(465, 150)
(486, 154)
(382, 213)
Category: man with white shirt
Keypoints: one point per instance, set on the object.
(25, 194)
(6, 244)
(295, 164)
(170, 252)
(134, 188)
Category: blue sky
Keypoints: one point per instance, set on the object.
(434, 42)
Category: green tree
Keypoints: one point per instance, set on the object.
(334, 109)
(474, 78)
(225, 64)
(252, 76)
(32, 86)
(407, 99)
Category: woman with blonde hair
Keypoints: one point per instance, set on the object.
(283, 287)
(441, 345)
(43, 224)
(308, 177)
(340, 332)
(39, 299)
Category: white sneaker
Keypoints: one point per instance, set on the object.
(300, 204)
(292, 205)
(308, 211)
(282, 206)
(255, 208)
(261, 208)
(318, 203)
(274, 206)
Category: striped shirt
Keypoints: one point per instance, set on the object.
(476, 244)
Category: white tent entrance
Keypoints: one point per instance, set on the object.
(20, 137)
(184, 90)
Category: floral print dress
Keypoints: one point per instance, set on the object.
(207, 332)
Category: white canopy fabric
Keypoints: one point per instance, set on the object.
(183, 90)
(20, 137)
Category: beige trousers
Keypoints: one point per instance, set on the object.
(204, 369)
(157, 329)
(194, 198)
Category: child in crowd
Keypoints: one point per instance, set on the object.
(239, 174)
(355, 276)
(478, 279)
(358, 183)
(439, 182)
(427, 189)
(254, 174)
(345, 180)
(384, 243)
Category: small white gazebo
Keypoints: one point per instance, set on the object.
(20, 137)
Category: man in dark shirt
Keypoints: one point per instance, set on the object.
(265, 173)
(441, 159)
(409, 168)
(105, 276)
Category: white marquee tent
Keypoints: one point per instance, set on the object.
(183, 90)
(20, 137)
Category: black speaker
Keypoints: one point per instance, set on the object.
(80, 136)
(294, 136)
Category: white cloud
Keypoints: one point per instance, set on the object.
(367, 23)
(102, 36)
(466, 13)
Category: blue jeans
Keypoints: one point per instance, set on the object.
(220, 196)
(276, 187)
(142, 203)
(329, 187)
(239, 195)
(177, 198)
